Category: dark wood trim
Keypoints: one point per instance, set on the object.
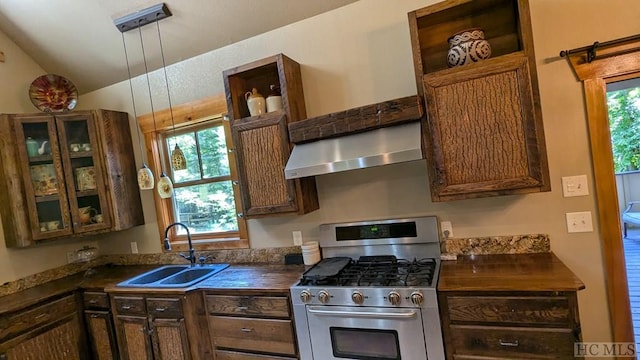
(364, 118)
(595, 75)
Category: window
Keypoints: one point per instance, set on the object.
(205, 197)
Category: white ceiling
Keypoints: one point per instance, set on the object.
(78, 40)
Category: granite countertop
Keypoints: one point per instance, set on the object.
(507, 272)
(253, 277)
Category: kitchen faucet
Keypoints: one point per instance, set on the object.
(167, 245)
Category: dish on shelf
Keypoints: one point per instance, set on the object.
(53, 93)
(86, 178)
(44, 180)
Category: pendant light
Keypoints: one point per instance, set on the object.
(165, 186)
(178, 160)
(145, 176)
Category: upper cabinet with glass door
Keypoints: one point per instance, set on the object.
(66, 175)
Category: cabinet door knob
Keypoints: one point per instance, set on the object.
(240, 215)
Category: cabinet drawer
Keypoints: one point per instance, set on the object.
(24, 320)
(232, 355)
(264, 306)
(516, 310)
(130, 305)
(262, 335)
(164, 307)
(512, 342)
(93, 299)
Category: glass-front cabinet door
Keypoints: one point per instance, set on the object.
(79, 150)
(63, 170)
(42, 169)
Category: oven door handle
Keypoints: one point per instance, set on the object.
(369, 314)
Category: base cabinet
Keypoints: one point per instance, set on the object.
(251, 326)
(99, 325)
(495, 325)
(161, 327)
(50, 330)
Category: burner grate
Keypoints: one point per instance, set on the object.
(380, 271)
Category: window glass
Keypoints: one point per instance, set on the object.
(206, 208)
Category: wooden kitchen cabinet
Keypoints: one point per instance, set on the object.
(509, 306)
(483, 134)
(156, 326)
(50, 330)
(250, 326)
(262, 143)
(99, 325)
(66, 175)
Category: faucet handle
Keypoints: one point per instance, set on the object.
(188, 257)
(202, 259)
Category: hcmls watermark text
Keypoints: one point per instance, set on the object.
(604, 349)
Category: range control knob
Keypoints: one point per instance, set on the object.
(323, 296)
(305, 296)
(417, 298)
(394, 298)
(357, 297)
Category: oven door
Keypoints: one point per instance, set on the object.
(366, 333)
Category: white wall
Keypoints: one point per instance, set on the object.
(16, 74)
(360, 54)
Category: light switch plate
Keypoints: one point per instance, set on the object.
(575, 186)
(579, 222)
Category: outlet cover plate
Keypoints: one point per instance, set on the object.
(579, 222)
(297, 237)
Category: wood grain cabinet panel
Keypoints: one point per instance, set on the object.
(50, 330)
(169, 339)
(271, 336)
(251, 326)
(518, 310)
(100, 332)
(483, 134)
(262, 306)
(233, 355)
(262, 144)
(512, 342)
(134, 342)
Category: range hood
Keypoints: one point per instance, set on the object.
(389, 145)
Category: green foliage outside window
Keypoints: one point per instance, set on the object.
(206, 206)
(624, 124)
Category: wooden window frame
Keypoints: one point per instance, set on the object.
(613, 63)
(187, 115)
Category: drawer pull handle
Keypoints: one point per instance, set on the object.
(508, 343)
(126, 307)
(242, 308)
(161, 309)
(93, 316)
(38, 317)
(93, 301)
(246, 330)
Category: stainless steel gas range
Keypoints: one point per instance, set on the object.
(373, 296)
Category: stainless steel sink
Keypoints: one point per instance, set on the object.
(174, 276)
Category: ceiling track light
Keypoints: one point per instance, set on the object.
(142, 17)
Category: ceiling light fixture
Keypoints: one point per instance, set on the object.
(124, 24)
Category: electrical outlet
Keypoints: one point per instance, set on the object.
(579, 222)
(447, 229)
(297, 238)
(71, 257)
(134, 247)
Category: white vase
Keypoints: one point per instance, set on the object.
(255, 102)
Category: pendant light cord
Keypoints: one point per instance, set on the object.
(133, 100)
(166, 79)
(153, 114)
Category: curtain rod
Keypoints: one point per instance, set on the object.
(591, 49)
